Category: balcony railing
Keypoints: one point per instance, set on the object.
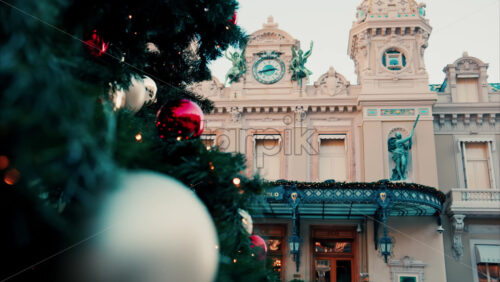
(472, 201)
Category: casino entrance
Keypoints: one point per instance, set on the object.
(334, 254)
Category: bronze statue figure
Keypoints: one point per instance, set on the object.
(400, 148)
(238, 68)
(297, 65)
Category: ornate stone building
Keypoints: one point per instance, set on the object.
(467, 135)
(330, 146)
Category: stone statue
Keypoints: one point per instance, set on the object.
(238, 68)
(400, 148)
(297, 65)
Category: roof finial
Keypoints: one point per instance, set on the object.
(270, 23)
(465, 54)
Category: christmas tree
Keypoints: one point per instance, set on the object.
(65, 142)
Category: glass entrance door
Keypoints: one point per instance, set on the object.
(333, 270)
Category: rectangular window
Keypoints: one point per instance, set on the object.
(487, 257)
(488, 272)
(467, 90)
(208, 140)
(332, 157)
(477, 165)
(408, 278)
(267, 157)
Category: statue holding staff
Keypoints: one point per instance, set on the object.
(400, 148)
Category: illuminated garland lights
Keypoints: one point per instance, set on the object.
(330, 184)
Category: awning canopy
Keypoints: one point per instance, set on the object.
(488, 253)
(331, 200)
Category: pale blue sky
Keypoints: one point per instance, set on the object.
(458, 25)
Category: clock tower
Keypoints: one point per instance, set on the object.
(387, 44)
(267, 56)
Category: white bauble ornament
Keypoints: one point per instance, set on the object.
(158, 230)
(117, 97)
(151, 90)
(246, 221)
(136, 95)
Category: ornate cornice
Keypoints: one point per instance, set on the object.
(483, 116)
(222, 108)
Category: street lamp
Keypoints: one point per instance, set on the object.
(294, 242)
(385, 246)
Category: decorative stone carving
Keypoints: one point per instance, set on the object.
(207, 88)
(300, 113)
(267, 36)
(467, 66)
(236, 113)
(422, 43)
(270, 33)
(407, 266)
(362, 11)
(331, 83)
(458, 228)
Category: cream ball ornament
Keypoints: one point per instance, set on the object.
(151, 90)
(246, 221)
(161, 228)
(117, 97)
(135, 95)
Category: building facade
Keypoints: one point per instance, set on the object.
(347, 204)
(467, 133)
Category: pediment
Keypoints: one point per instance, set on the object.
(331, 83)
(264, 36)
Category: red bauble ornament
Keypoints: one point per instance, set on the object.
(234, 19)
(259, 245)
(96, 45)
(182, 119)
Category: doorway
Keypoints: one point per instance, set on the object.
(333, 270)
(334, 252)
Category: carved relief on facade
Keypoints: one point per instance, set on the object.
(458, 228)
(422, 43)
(300, 113)
(362, 11)
(467, 66)
(267, 36)
(400, 6)
(270, 33)
(331, 83)
(360, 51)
(236, 113)
(207, 88)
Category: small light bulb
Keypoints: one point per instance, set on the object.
(179, 138)
(12, 176)
(236, 181)
(129, 17)
(138, 137)
(208, 147)
(234, 260)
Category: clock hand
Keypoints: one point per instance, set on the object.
(267, 70)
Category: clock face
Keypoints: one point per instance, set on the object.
(268, 70)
